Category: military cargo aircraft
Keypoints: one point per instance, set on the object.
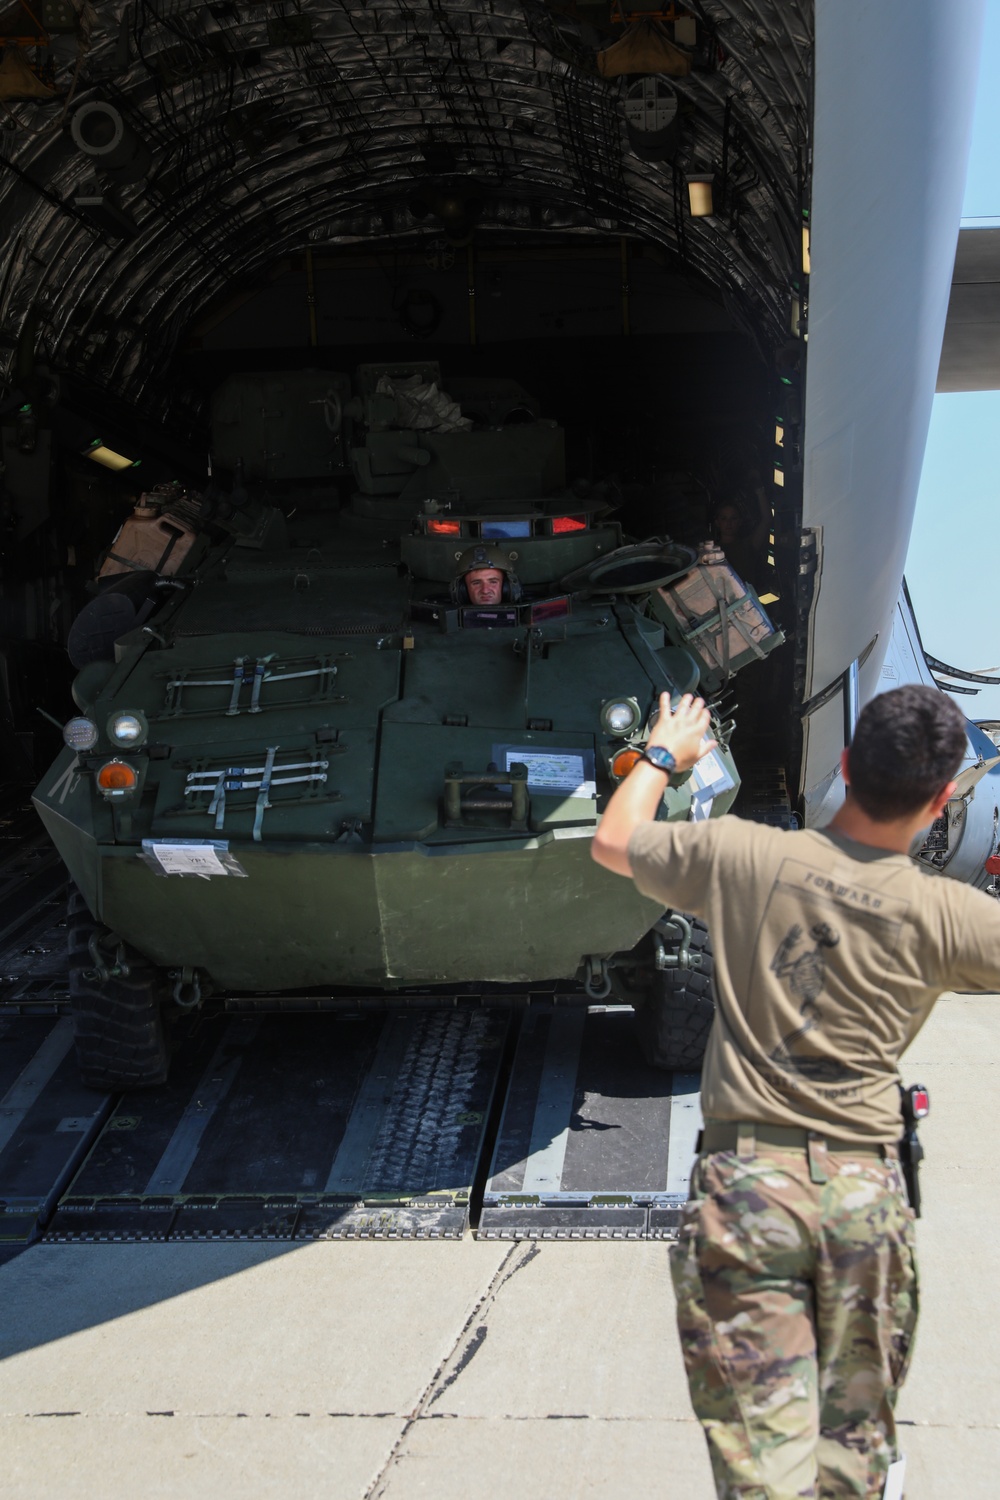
(671, 282)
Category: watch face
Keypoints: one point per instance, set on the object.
(660, 757)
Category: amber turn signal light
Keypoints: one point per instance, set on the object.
(116, 776)
(623, 762)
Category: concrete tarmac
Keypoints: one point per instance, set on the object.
(549, 1372)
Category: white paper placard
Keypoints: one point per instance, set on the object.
(710, 773)
(553, 771)
(709, 779)
(186, 859)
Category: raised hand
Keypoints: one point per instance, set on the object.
(682, 730)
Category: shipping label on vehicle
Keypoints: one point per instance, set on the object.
(203, 858)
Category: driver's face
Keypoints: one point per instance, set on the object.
(485, 585)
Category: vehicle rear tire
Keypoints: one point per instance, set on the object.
(118, 1024)
(673, 1021)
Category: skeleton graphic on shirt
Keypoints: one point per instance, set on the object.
(804, 971)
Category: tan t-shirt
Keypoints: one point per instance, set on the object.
(829, 956)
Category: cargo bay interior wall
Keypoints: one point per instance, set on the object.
(193, 189)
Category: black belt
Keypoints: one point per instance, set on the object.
(728, 1135)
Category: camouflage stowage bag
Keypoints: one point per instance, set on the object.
(796, 1304)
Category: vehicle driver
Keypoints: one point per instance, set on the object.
(485, 577)
(795, 1268)
(484, 585)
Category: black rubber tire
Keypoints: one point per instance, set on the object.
(118, 1027)
(673, 1022)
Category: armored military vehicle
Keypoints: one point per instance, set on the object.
(307, 759)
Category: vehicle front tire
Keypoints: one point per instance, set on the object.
(674, 1019)
(118, 1026)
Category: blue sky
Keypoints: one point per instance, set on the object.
(952, 567)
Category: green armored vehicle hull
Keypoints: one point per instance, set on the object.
(305, 758)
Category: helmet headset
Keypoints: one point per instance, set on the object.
(483, 556)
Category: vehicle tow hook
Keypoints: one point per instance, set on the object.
(673, 928)
(101, 969)
(187, 988)
(482, 791)
(596, 979)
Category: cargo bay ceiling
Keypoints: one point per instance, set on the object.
(157, 154)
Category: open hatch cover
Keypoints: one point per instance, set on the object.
(636, 569)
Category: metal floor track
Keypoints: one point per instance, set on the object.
(592, 1144)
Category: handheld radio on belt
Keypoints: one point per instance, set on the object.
(915, 1102)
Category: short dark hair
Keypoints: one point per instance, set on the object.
(908, 745)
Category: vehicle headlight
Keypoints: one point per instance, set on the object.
(127, 729)
(80, 734)
(620, 716)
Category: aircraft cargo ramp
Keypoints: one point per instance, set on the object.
(518, 1115)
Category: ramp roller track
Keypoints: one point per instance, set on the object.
(518, 1114)
(539, 1124)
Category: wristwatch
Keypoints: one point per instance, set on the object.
(660, 758)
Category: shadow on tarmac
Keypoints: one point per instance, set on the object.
(50, 1291)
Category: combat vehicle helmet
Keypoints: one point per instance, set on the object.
(485, 556)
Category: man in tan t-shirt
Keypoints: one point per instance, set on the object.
(794, 1268)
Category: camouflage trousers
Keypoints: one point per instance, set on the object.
(796, 1304)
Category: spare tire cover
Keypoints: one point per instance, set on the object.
(93, 633)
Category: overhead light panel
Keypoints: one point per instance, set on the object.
(699, 186)
(105, 214)
(108, 457)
